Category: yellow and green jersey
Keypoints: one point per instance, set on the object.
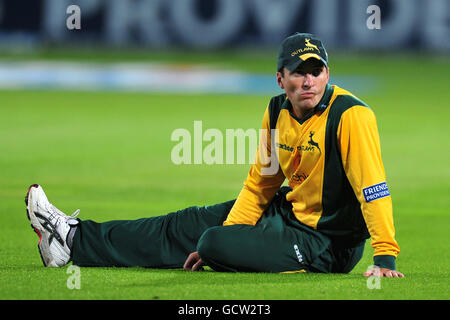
(332, 161)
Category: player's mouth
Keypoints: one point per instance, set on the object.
(307, 95)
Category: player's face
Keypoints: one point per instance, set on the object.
(305, 85)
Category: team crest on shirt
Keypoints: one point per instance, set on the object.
(312, 145)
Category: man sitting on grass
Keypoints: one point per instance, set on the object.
(320, 137)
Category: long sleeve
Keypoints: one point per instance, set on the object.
(260, 185)
(361, 156)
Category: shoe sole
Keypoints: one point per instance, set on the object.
(37, 227)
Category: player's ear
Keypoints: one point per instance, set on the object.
(280, 76)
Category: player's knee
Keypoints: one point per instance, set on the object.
(209, 244)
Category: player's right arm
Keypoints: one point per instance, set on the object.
(261, 183)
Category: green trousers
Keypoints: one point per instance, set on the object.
(277, 243)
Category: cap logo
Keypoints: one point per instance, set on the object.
(308, 47)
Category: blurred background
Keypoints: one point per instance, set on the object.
(238, 35)
(212, 24)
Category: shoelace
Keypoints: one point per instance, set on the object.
(57, 215)
(75, 214)
(60, 213)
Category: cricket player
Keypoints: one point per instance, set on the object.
(321, 138)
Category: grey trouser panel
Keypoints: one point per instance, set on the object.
(277, 243)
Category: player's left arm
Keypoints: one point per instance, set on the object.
(361, 157)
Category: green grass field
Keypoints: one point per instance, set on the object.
(108, 154)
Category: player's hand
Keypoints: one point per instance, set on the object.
(383, 272)
(193, 262)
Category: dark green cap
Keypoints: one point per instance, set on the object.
(298, 48)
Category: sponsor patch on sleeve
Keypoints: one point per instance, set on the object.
(376, 191)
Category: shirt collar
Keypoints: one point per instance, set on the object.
(323, 103)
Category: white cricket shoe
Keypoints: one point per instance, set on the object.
(51, 225)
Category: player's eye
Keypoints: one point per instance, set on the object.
(316, 72)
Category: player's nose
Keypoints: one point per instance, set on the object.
(308, 80)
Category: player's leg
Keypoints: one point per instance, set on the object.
(345, 259)
(244, 248)
(160, 242)
(163, 241)
(277, 243)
